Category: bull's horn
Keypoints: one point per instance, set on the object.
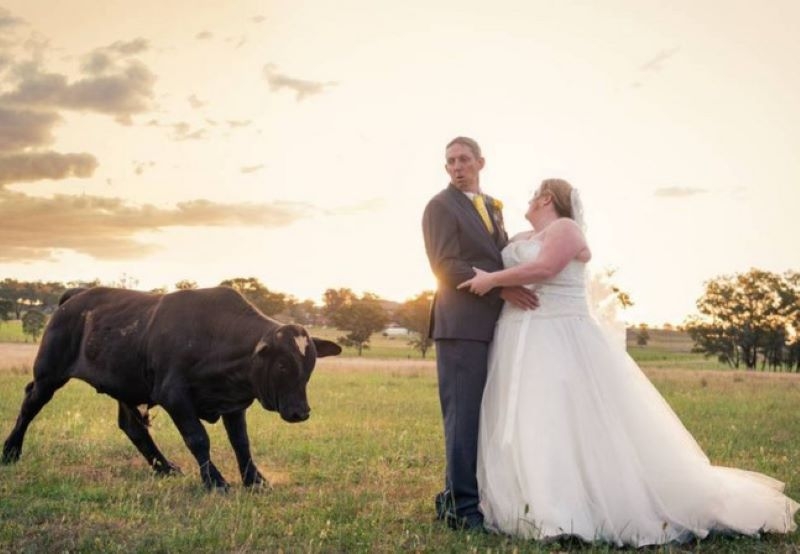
(261, 345)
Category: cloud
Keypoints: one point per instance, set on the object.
(234, 123)
(183, 131)
(195, 102)
(240, 41)
(122, 94)
(8, 20)
(102, 60)
(106, 228)
(204, 35)
(301, 87)
(258, 19)
(652, 66)
(139, 167)
(131, 47)
(23, 128)
(678, 192)
(252, 168)
(656, 63)
(35, 166)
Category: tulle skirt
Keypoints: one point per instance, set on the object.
(575, 440)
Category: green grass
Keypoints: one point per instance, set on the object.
(11, 331)
(665, 349)
(359, 476)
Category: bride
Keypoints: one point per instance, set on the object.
(574, 440)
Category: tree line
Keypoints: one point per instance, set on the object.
(750, 319)
(358, 316)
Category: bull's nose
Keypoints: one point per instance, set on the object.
(296, 417)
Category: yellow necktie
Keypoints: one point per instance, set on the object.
(480, 205)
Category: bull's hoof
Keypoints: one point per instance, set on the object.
(256, 481)
(253, 478)
(166, 470)
(222, 487)
(213, 479)
(10, 454)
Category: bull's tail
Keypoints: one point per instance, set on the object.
(69, 293)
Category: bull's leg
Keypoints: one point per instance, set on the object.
(133, 424)
(37, 394)
(236, 426)
(196, 439)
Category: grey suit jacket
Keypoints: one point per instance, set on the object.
(456, 239)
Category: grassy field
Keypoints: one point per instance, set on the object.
(665, 348)
(11, 331)
(359, 476)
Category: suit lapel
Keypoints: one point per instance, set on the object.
(469, 214)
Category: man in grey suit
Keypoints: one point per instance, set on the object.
(464, 229)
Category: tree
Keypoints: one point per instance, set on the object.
(748, 317)
(16, 292)
(415, 315)
(84, 284)
(25, 295)
(261, 297)
(185, 284)
(125, 281)
(302, 313)
(360, 316)
(33, 323)
(642, 335)
(6, 307)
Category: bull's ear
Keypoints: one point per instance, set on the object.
(326, 347)
(260, 346)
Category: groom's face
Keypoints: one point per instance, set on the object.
(463, 167)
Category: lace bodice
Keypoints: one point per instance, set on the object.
(563, 295)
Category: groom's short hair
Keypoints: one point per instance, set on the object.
(472, 144)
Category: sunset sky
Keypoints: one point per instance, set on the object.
(298, 142)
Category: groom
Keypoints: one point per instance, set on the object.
(464, 228)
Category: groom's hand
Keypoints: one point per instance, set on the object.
(520, 297)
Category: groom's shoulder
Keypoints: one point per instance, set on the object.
(442, 197)
(443, 194)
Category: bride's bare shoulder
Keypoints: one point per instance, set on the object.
(566, 225)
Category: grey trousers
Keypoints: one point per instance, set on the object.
(461, 367)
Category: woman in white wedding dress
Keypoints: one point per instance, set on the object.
(574, 439)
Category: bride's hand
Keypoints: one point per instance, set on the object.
(480, 284)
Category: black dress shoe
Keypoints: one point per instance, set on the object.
(444, 505)
(465, 523)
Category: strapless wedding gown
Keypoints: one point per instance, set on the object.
(574, 439)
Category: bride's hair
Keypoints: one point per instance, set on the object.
(560, 190)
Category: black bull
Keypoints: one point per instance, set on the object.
(200, 354)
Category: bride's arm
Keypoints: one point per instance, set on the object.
(563, 241)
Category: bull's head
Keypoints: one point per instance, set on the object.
(282, 365)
